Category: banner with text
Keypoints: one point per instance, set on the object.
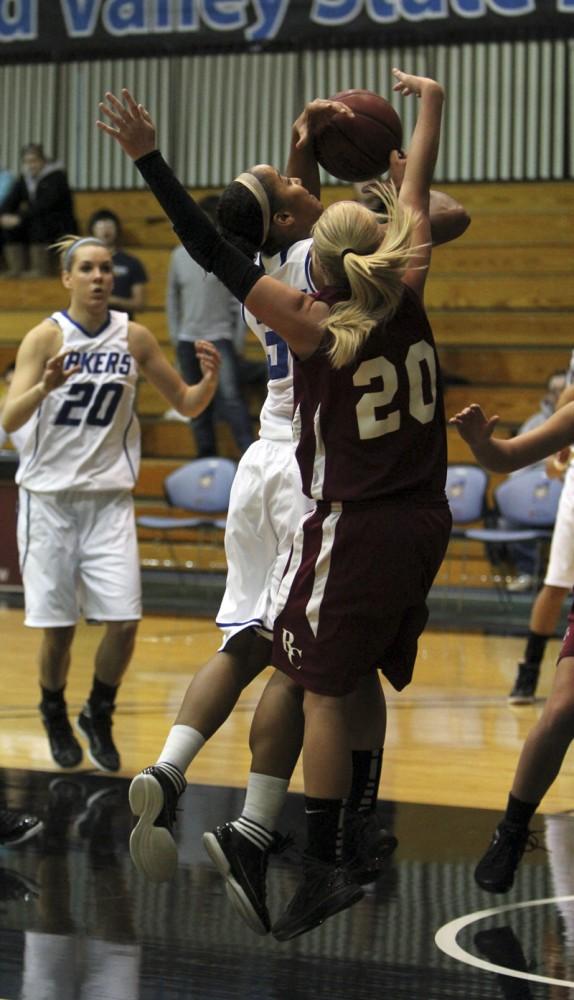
(49, 30)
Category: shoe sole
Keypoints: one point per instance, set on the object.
(235, 894)
(152, 848)
(517, 699)
(498, 890)
(339, 902)
(94, 760)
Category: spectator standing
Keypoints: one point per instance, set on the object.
(130, 277)
(37, 211)
(200, 307)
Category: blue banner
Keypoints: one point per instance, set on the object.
(79, 29)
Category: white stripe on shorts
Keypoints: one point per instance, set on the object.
(322, 567)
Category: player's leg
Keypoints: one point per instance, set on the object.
(55, 658)
(367, 844)
(110, 593)
(47, 544)
(95, 720)
(539, 764)
(547, 607)
(209, 700)
(326, 886)
(261, 507)
(544, 618)
(240, 850)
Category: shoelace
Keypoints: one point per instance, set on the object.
(508, 842)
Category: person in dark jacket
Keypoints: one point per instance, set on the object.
(36, 212)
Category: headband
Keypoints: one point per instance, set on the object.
(66, 260)
(253, 184)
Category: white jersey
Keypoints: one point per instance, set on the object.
(85, 434)
(292, 267)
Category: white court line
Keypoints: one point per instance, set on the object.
(445, 939)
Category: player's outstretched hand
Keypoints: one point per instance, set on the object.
(316, 115)
(209, 359)
(129, 123)
(408, 84)
(55, 372)
(473, 426)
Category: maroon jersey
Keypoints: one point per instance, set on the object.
(376, 427)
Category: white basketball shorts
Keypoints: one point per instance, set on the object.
(78, 556)
(265, 507)
(560, 569)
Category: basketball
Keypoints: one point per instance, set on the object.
(358, 149)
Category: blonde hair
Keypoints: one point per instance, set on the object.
(67, 245)
(353, 252)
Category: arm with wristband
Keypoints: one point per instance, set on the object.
(295, 315)
(132, 127)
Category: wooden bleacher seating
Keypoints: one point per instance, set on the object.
(500, 299)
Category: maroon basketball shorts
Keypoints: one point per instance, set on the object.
(354, 592)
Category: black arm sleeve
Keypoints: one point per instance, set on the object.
(195, 231)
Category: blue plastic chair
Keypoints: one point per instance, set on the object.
(202, 486)
(466, 486)
(530, 501)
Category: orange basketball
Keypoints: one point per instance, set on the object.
(358, 148)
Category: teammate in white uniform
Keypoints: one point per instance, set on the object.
(75, 382)
(266, 497)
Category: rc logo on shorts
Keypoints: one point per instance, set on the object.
(292, 651)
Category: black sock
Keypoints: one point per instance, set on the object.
(518, 812)
(535, 647)
(102, 695)
(367, 766)
(324, 828)
(53, 698)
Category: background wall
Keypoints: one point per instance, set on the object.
(509, 111)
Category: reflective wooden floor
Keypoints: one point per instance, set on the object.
(77, 921)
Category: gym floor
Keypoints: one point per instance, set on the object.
(79, 923)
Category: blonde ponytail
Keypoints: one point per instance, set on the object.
(349, 249)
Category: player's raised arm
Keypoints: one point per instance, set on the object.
(302, 163)
(506, 456)
(423, 149)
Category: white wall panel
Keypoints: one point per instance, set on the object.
(509, 112)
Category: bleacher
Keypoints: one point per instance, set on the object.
(500, 300)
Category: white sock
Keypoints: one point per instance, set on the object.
(182, 745)
(264, 799)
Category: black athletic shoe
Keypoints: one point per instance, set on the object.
(15, 827)
(495, 870)
(369, 846)
(524, 689)
(64, 746)
(324, 890)
(14, 886)
(97, 727)
(153, 797)
(243, 866)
